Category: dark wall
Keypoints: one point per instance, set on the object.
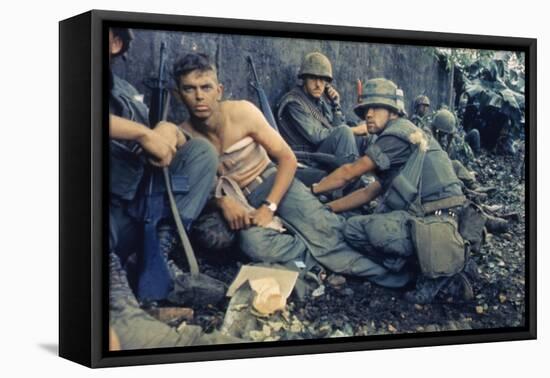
(277, 60)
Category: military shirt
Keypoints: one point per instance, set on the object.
(389, 153)
(309, 127)
(126, 169)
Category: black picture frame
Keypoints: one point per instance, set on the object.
(83, 315)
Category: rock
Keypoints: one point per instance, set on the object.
(452, 326)
(391, 328)
(418, 307)
(296, 327)
(266, 330)
(348, 292)
(338, 333)
(348, 329)
(336, 280)
(479, 310)
(318, 292)
(257, 335)
(276, 326)
(431, 328)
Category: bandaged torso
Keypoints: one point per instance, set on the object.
(243, 162)
(240, 164)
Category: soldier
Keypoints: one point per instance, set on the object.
(420, 116)
(420, 192)
(310, 116)
(444, 129)
(257, 197)
(189, 161)
(451, 138)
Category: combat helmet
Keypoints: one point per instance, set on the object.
(381, 93)
(316, 64)
(421, 100)
(444, 121)
(126, 35)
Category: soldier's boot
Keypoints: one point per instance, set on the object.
(188, 289)
(426, 289)
(455, 289)
(496, 225)
(168, 241)
(471, 270)
(459, 289)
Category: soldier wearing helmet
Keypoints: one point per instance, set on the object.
(421, 107)
(458, 146)
(415, 178)
(310, 117)
(444, 128)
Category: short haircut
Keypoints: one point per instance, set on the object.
(192, 62)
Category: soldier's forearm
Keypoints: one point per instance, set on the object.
(122, 128)
(337, 179)
(356, 199)
(286, 170)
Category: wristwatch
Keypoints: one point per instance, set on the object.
(272, 206)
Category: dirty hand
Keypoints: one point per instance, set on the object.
(262, 216)
(171, 133)
(234, 213)
(333, 94)
(360, 129)
(158, 147)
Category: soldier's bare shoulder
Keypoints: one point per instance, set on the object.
(239, 111)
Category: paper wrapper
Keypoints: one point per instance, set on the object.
(271, 287)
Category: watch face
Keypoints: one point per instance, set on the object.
(270, 205)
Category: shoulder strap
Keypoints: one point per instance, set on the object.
(404, 192)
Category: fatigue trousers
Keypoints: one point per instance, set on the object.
(194, 166)
(341, 143)
(384, 238)
(321, 235)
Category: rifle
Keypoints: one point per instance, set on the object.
(264, 103)
(154, 281)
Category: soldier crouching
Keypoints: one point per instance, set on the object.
(415, 228)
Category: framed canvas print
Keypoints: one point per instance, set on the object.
(234, 188)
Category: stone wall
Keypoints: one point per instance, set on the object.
(277, 60)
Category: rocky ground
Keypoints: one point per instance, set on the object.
(356, 307)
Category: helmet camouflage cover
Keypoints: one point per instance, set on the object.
(381, 93)
(444, 121)
(421, 100)
(316, 64)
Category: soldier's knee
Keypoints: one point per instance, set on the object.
(344, 132)
(202, 152)
(251, 243)
(353, 228)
